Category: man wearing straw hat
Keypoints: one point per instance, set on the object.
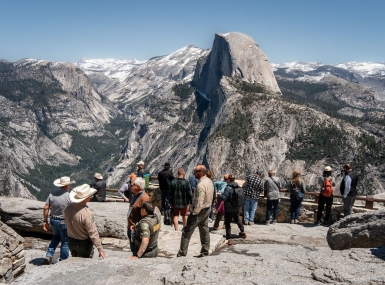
(57, 201)
(81, 228)
(100, 187)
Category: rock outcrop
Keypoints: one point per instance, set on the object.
(365, 230)
(234, 55)
(12, 260)
(26, 215)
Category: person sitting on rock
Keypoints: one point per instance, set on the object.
(100, 186)
(81, 228)
(326, 183)
(147, 232)
(231, 210)
(139, 196)
(57, 201)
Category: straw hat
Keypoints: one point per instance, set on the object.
(98, 176)
(63, 181)
(81, 193)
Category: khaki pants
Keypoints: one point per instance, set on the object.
(193, 221)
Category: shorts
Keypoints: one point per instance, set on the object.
(183, 211)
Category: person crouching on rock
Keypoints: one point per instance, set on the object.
(81, 228)
(57, 201)
(147, 232)
(139, 196)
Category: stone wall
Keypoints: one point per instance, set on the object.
(309, 211)
(12, 260)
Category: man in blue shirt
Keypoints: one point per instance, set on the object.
(349, 189)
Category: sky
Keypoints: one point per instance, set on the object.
(325, 31)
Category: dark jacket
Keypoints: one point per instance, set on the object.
(227, 195)
(141, 172)
(301, 187)
(99, 196)
(180, 193)
(165, 177)
(353, 188)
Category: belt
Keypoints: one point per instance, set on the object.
(80, 240)
(57, 218)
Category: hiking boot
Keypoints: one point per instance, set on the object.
(47, 260)
(292, 222)
(250, 223)
(274, 222)
(242, 235)
(229, 242)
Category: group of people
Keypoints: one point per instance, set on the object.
(73, 223)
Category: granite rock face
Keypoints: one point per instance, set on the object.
(365, 230)
(12, 255)
(234, 55)
(26, 215)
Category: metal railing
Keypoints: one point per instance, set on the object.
(369, 200)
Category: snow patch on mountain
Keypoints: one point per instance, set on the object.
(113, 68)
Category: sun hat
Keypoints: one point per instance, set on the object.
(328, 168)
(81, 193)
(98, 176)
(63, 181)
(140, 162)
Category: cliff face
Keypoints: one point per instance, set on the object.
(233, 118)
(44, 105)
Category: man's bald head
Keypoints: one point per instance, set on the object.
(200, 171)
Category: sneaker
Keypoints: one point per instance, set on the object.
(242, 235)
(317, 223)
(229, 242)
(47, 260)
(296, 221)
(292, 222)
(210, 220)
(274, 222)
(267, 223)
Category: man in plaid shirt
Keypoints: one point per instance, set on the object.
(253, 188)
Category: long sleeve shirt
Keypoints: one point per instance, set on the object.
(80, 223)
(348, 185)
(123, 189)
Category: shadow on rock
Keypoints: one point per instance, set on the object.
(378, 252)
(37, 261)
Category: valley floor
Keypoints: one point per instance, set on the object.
(275, 254)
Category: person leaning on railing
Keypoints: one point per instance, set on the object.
(296, 188)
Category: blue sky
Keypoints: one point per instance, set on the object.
(306, 30)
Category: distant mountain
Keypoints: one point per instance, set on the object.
(227, 107)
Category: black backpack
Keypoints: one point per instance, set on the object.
(238, 197)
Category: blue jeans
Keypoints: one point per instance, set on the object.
(132, 244)
(165, 200)
(295, 208)
(270, 204)
(59, 229)
(249, 209)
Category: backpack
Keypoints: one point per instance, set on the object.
(167, 219)
(238, 197)
(328, 188)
